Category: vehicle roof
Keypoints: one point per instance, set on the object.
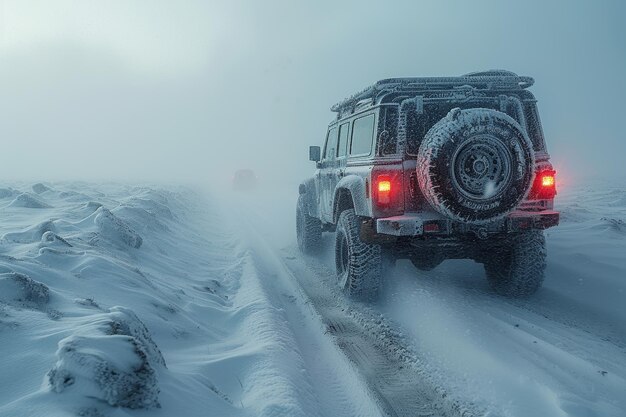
(387, 90)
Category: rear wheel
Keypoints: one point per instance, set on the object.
(516, 269)
(308, 229)
(359, 264)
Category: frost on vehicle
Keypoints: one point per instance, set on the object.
(429, 169)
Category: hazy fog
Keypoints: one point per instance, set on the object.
(167, 90)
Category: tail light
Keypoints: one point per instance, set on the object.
(387, 191)
(547, 180)
(384, 189)
(544, 186)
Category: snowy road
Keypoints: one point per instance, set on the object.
(397, 382)
(440, 343)
(116, 298)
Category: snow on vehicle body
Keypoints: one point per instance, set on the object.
(431, 169)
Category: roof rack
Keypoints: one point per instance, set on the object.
(492, 80)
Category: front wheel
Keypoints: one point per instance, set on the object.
(359, 264)
(516, 268)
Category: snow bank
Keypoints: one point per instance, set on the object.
(63, 271)
(7, 192)
(40, 188)
(113, 358)
(85, 255)
(31, 234)
(116, 230)
(89, 208)
(140, 218)
(50, 238)
(102, 288)
(27, 200)
(22, 291)
(153, 206)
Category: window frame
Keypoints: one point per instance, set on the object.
(330, 129)
(360, 155)
(345, 124)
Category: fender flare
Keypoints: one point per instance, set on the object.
(350, 193)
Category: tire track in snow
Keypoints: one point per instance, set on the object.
(393, 373)
(332, 382)
(400, 383)
(400, 386)
(562, 347)
(555, 354)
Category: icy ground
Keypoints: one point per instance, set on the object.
(138, 301)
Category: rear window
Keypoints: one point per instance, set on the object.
(362, 135)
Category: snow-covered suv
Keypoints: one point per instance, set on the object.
(433, 168)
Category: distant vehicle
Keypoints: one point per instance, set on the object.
(430, 169)
(244, 180)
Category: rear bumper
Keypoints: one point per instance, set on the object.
(433, 224)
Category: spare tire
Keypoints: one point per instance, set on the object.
(475, 165)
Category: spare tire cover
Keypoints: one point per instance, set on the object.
(475, 165)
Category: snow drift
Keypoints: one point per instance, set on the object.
(111, 358)
(115, 229)
(131, 300)
(22, 291)
(27, 200)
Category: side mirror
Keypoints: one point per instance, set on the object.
(315, 153)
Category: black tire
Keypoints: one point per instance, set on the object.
(475, 165)
(308, 229)
(516, 268)
(359, 264)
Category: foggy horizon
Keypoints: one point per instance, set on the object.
(156, 92)
(167, 248)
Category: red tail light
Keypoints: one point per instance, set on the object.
(387, 191)
(547, 180)
(384, 189)
(544, 186)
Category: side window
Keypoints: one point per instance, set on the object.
(342, 148)
(362, 135)
(331, 143)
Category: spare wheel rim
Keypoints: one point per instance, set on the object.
(481, 168)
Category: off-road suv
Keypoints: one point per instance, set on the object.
(433, 168)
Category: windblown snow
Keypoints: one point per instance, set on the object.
(121, 300)
(117, 299)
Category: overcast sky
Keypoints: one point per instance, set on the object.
(192, 90)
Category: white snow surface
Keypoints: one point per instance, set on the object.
(561, 352)
(121, 300)
(131, 301)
